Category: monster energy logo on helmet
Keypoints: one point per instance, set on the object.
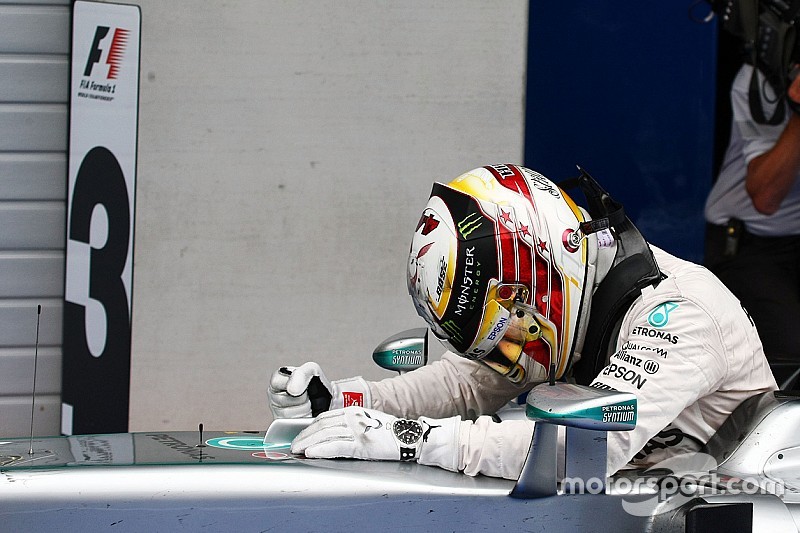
(452, 329)
(469, 224)
(476, 262)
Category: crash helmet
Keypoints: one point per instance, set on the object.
(498, 269)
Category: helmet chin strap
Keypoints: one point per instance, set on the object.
(618, 272)
(605, 260)
(598, 264)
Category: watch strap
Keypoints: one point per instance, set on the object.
(407, 454)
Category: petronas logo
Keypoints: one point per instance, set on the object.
(470, 223)
(659, 316)
(452, 329)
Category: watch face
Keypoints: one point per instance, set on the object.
(407, 431)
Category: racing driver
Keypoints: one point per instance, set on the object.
(522, 284)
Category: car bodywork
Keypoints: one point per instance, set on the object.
(747, 478)
(239, 481)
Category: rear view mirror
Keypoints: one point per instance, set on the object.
(579, 408)
(567, 404)
(403, 352)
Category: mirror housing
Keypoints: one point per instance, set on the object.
(568, 404)
(579, 408)
(403, 352)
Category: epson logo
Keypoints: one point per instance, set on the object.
(498, 328)
(625, 374)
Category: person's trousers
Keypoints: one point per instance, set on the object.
(764, 273)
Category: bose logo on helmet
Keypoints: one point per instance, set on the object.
(442, 276)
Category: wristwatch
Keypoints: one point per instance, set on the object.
(408, 433)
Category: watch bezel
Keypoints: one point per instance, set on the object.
(395, 427)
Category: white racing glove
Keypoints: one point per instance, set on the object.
(294, 393)
(359, 433)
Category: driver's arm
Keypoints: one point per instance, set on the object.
(458, 386)
(448, 387)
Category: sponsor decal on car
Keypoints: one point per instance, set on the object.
(178, 445)
(236, 443)
(258, 448)
(601, 386)
(405, 356)
(625, 412)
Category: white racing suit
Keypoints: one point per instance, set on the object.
(686, 349)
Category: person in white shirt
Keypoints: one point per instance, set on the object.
(753, 217)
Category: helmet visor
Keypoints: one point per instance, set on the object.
(523, 328)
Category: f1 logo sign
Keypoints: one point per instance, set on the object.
(113, 53)
(98, 277)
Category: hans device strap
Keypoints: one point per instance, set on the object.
(634, 268)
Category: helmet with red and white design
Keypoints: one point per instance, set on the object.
(498, 269)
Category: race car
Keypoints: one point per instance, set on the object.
(746, 479)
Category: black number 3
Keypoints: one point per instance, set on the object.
(98, 387)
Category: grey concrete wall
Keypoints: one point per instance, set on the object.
(286, 150)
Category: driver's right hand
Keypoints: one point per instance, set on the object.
(304, 391)
(288, 390)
